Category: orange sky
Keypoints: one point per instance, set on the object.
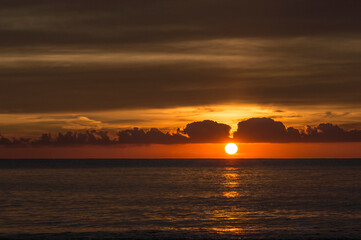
(169, 119)
(246, 150)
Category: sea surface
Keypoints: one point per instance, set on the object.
(180, 199)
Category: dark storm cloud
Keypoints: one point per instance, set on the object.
(66, 56)
(253, 130)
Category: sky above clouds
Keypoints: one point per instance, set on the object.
(79, 65)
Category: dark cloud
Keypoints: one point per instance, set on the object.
(252, 130)
(330, 114)
(326, 132)
(14, 141)
(74, 138)
(114, 22)
(5, 141)
(95, 89)
(96, 137)
(154, 135)
(56, 56)
(64, 89)
(268, 130)
(262, 130)
(207, 131)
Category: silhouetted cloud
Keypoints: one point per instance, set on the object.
(207, 131)
(326, 132)
(268, 130)
(262, 130)
(5, 141)
(154, 135)
(252, 130)
(14, 141)
(72, 137)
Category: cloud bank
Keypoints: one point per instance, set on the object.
(253, 130)
(268, 130)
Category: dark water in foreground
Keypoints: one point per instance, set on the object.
(177, 199)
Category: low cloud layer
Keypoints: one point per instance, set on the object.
(207, 131)
(252, 130)
(268, 130)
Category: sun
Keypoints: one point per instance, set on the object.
(231, 148)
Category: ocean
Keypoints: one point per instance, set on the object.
(180, 199)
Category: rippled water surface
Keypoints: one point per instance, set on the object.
(175, 198)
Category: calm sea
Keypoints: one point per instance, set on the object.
(181, 199)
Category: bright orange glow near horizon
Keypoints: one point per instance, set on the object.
(209, 150)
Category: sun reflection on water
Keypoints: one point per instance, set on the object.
(231, 182)
(230, 194)
(228, 230)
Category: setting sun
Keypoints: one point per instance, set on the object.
(231, 148)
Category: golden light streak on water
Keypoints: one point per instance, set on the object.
(231, 182)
